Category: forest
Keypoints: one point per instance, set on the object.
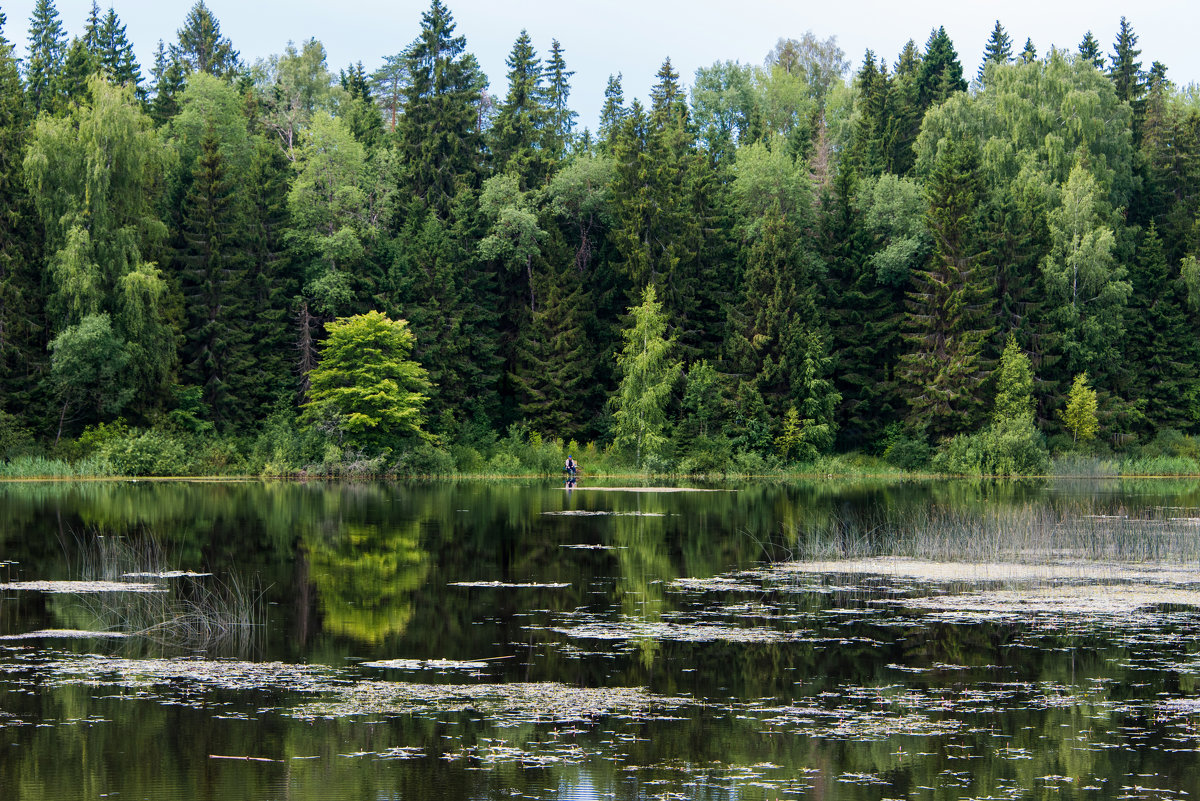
(209, 266)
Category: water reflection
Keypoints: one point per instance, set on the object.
(768, 683)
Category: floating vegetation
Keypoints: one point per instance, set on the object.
(939, 571)
(583, 547)
(507, 585)
(427, 664)
(505, 704)
(166, 574)
(714, 584)
(681, 632)
(63, 634)
(82, 587)
(1082, 600)
(588, 513)
(491, 752)
(646, 489)
(97, 670)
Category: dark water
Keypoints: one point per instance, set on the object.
(662, 649)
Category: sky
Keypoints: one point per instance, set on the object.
(633, 38)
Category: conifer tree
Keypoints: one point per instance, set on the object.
(649, 374)
(517, 134)
(1125, 70)
(907, 111)
(201, 48)
(47, 53)
(1028, 52)
(1089, 51)
(169, 77)
(560, 127)
(21, 304)
(612, 113)
(1014, 386)
(71, 83)
(115, 54)
(388, 84)
(940, 72)
(438, 135)
(998, 50)
(216, 354)
(1160, 341)
(949, 309)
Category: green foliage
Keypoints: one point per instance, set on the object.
(1079, 416)
(366, 392)
(648, 377)
(1010, 447)
(201, 48)
(1014, 386)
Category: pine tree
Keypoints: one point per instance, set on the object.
(47, 53)
(949, 317)
(389, 83)
(361, 113)
(71, 83)
(516, 136)
(998, 50)
(201, 48)
(216, 353)
(438, 135)
(1089, 50)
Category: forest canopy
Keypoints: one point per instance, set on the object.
(208, 265)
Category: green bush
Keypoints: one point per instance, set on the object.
(905, 452)
(1005, 448)
(150, 453)
(1171, 442)
(424, 460)
(15, 439)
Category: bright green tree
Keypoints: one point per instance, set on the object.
(366, 392)
(87, 371)
(293, 86)
(1014, 385)
(649, 374)
(1079, 416)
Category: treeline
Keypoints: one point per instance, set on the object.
(783, 262)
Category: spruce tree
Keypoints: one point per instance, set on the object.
(115, 55)
(649, 373)
(560, 127)
(612, 113)
(941, 72)
(216, 354)
(201, 48)
(1028, 52)
(22, 343)
(998, 50)
(438, 135)
(907, 112)
(517, 134)
(1160, 351)
(1089, 51)
(47, 53)
(1125, 70)
(71, 83)
(949, 310)
(169, 77)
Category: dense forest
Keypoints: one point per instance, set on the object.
(213, 266)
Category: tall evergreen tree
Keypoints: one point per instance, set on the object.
(907, 112)
(1125, 70)
(201, 48)
(649, 373)
(949, 315)
(612, 113)
(216, 351)
(1161, 346)
(998, 50)
(169, 77)
(71, 83)
(517, 134)
(1089, 51)
(560, 127)
(941, 72)
(21, 340)
(438, 135)
(1028, 52)
(115, 54)
(47, 53)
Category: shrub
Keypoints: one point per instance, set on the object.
(15, 439)
(424, 460)
(150, 453)
(1005, 448)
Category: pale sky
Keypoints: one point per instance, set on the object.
(633, 38)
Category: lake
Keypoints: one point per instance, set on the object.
(479, 640)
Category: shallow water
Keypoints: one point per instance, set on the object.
(470, 640)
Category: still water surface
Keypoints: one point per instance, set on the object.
(507, 640)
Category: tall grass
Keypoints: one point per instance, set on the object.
(197, 612)
(42, 467)
(1032, 533)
